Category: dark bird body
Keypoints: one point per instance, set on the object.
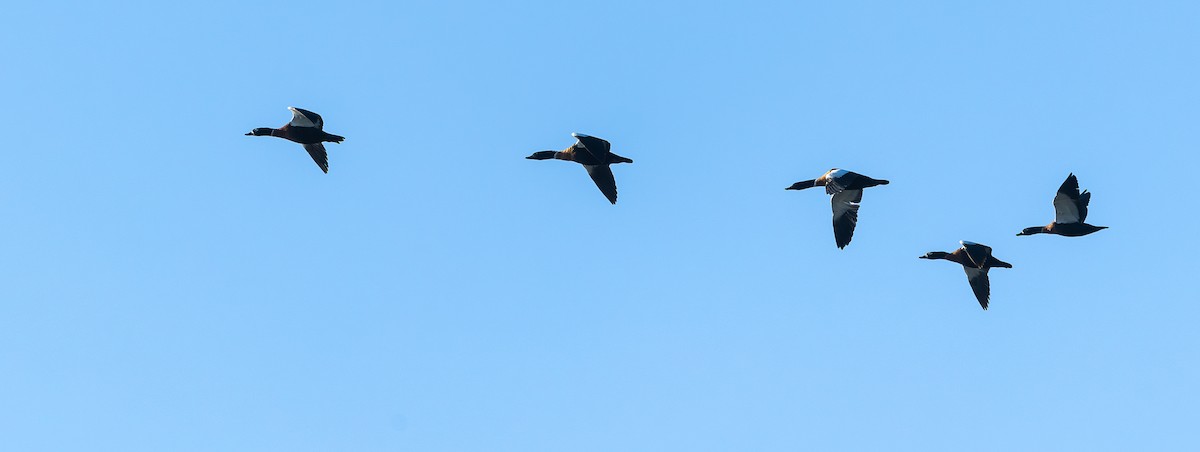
(845, 188)
(594, 154)
(1070, 211)
(306, 128)
(976, 259)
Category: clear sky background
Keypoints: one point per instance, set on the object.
(171, 284)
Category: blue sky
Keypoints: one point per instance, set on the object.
(171, 284)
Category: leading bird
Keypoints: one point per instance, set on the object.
(1070, 210)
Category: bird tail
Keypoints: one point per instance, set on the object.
(614, 158)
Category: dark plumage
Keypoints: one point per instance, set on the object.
(1070, 211)
(976, 259)
(305, 128)
(846, 189)
(593, 153)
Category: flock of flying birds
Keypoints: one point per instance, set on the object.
(844, 187)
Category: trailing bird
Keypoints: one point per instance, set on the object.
(1070, 211)
(846, 189)
(305, 128)
(594, 154)
(976, 259)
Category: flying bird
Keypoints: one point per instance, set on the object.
(846, 189)
(305, 128)
(1070, 210)
(976, 259)
(593, 153)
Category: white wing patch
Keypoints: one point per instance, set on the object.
(1065, 209)
(299, 120)
(847, 203)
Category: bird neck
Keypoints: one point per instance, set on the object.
(803, 185)
(267, 131)
(1033, 230)
(547, 155)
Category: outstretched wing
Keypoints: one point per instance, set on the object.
(978, 277)
(603, 177)
(1082, 204)
(1069, 206)
(305, 118)
(595, 146)
(318, 154)
(845, 215)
